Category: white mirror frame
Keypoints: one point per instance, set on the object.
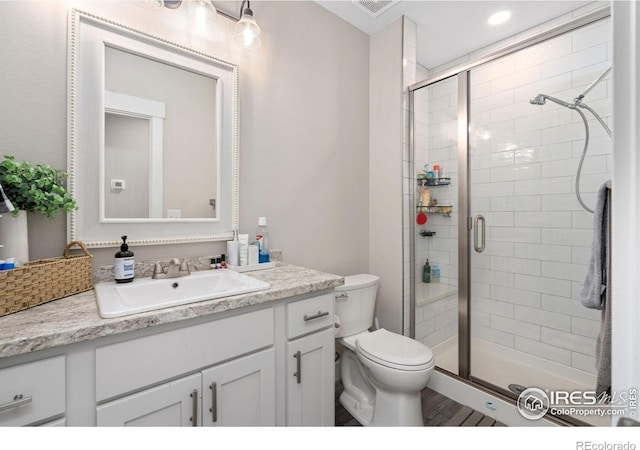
(85, 125)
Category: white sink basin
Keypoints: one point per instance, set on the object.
(116, 300)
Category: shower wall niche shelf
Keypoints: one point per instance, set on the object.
(445, 210)
(434, 181)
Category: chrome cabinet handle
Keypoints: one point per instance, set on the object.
(476, 224)
(342, 296)
(18, 400)
(298, 373)
(214, 401)
(194, 408)
(315, 316)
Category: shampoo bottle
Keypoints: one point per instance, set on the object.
(435, 273)
(426, 197)
(124, 262)
(426, 272)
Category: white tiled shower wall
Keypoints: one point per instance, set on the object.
(524, 161)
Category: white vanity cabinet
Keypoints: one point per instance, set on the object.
(265, 365)
(310, 362)
(242, 391)
(214, 351)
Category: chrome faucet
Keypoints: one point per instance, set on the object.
(175, 269)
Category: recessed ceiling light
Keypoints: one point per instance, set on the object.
(499, 17)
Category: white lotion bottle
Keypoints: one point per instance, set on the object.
(233, 250)
(244, 249)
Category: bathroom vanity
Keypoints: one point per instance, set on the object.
(258, 359)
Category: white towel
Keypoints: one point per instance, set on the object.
(5, 203)
(593, 288)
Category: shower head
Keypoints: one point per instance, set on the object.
(541, 99)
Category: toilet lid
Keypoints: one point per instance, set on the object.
(394, 350)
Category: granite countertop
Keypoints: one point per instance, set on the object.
(76, 319)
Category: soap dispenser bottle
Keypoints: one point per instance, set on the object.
(124, 263)
(426, 272)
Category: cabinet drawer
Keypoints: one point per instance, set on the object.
(308, 315)
(130, 365)
(42, 387)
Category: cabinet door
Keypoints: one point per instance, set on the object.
(172, 404)
(310, 380)
(240, 392)
(32, 392)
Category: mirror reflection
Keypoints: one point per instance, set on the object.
(160, 124)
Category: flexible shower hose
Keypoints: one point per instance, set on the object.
(586, 145)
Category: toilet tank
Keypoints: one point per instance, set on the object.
(355, 303)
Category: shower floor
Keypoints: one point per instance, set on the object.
(502, 366)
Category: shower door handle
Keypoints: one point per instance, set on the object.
(476, 225)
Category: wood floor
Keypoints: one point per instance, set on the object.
(437, 410)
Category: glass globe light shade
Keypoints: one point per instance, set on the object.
(247, 32)
(203, 12)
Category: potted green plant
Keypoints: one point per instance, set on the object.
(35, 188)
(30, 188)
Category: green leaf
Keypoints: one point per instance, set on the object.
(35, 188)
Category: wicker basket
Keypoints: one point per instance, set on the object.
(45, 280)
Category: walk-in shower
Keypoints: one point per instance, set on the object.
(507, 225)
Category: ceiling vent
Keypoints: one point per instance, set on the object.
(375, 7)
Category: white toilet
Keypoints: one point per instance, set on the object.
(383, 373)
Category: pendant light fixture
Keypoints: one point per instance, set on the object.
(204, 13)
(247, 32)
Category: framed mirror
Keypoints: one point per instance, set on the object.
(153, 138)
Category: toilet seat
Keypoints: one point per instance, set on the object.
(395, 351)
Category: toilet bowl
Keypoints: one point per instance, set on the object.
(383, 373)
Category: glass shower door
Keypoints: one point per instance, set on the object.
(435, 278)
(530, 236)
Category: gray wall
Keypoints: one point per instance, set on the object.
(385, 173)
(304, 140)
